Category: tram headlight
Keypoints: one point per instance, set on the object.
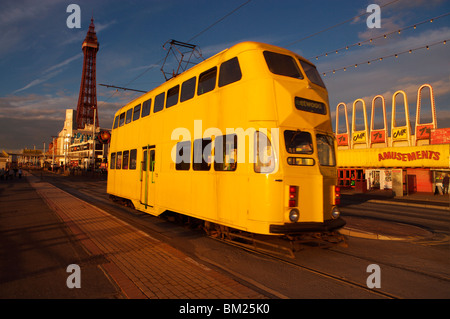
(335, 213)
(294, 215)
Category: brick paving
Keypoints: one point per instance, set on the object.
(142, 266)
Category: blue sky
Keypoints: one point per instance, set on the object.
(41, 58)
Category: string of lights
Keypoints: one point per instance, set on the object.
(385, 35)
(395, 55)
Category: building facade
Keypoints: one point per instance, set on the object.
(408, 161)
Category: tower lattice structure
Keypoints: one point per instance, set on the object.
(87, 99)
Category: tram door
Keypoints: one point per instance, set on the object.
(148, 176)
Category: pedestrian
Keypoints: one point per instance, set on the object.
(11, 173)
(20, 173)
(445, 183)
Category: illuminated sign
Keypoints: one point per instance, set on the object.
(378, 136)
(423, 132)
(310, 106)
(359, 137)
(342, 139)
(408, 157)
(400, 133)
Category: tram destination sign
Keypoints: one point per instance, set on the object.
(310, 106)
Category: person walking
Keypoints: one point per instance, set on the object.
(445, 183)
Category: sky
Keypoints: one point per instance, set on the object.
(41, 57)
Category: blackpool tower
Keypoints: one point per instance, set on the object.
(87, 99)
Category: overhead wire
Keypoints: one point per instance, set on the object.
(355, 65)
(384, 35)
(337, 25)
(153, 65)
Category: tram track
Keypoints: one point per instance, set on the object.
(314, 271)
(91, 193)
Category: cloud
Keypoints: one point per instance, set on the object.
(38, 81)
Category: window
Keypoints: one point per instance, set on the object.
(122, 119)
(159, 102)
(126, 158)
(207, 81)
(202, 155)
(311, 73)
(172, 96)
(136, 112)
(230, 72)
(119, 160)
(298, 142)
(146, 107)
(282, 64)
(325, 150)
(264, 154)
(113, 161)
(188, 89)
(116, 122)
(183, 161)
(129, 116)
(133, 158)
(225, 153)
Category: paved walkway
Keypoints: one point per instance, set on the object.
(140, 265)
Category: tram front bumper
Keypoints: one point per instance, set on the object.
(290, 228)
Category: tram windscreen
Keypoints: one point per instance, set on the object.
(325, 150)
(311, 73)
(282, 64)
(298, 142)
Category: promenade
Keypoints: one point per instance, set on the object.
(44, 229)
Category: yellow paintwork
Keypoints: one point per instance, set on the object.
(241, 199)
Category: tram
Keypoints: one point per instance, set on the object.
(241, 140)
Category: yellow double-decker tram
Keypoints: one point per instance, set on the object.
(242, 139)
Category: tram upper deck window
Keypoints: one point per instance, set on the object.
(311, 73)
(129, 116)
(230, 71)
(146, 107)
(188, 89)
(207, 81)
(122, 119)
(282, 64)
(136, 112)
(159, 102)
(325, 150)
(116, 122)
(298, 142)
(172, 96)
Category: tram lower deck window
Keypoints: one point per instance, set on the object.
(225, 153)
(133, 158)
(113, 161)
(183, 160)
(325, 150)
(202, 155)
(298, 142)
